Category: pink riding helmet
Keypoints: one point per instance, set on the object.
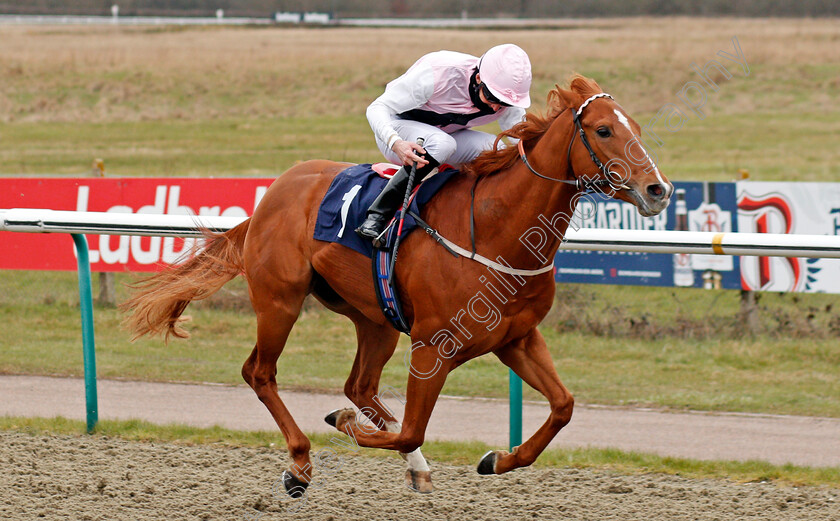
(506, 70)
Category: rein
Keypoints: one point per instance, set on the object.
(580, 184)
(586, 183)
(456, 250)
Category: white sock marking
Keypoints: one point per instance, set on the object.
(415, 459)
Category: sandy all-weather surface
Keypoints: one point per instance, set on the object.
(99, 478)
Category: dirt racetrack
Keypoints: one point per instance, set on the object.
(97, 478)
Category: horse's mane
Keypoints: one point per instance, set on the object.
(534, 126)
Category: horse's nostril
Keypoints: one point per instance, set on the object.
(656, 191)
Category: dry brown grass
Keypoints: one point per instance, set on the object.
(118, 74)
(702, 316)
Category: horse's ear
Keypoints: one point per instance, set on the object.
(584, 86)
(561, 99)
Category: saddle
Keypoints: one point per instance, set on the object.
(343, 209)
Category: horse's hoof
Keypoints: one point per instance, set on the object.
(332, 417)
(294, 487)
(338, 414)
(419, 481)
(487, 465)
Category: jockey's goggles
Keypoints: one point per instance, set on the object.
(492, 98)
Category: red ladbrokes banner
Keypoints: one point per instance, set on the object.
(233, 197)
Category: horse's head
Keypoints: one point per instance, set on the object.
(606, 151)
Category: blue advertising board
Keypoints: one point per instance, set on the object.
(743, 206)
(708, 207)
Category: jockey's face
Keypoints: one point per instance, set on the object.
(494, 103)
(494, 106)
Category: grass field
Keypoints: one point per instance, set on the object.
(253, 101)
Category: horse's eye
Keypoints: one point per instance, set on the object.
(603, 132)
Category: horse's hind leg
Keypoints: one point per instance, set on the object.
(277, 310)
(376, 344)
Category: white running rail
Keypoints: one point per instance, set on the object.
(650, 241)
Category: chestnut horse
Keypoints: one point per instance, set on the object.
(578, 143)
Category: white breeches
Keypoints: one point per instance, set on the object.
(460, 147)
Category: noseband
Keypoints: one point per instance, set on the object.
(597, 185)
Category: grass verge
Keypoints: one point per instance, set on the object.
(611, 345)
(458, 453)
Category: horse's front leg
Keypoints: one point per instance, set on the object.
(529, 358)
(427, 374)
(376, 344)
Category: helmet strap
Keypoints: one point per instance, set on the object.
(475, 96)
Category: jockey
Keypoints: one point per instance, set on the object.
(439, 98)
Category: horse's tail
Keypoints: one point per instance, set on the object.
(158, 301)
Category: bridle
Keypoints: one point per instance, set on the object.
(580, 184)
(597, 185)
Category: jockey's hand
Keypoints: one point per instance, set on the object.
(408, 152)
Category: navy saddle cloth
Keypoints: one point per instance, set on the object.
(343, 210)
(351, 194)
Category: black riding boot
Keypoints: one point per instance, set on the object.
(390, 200)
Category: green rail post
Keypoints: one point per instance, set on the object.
(88, 345)
(515, 390)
